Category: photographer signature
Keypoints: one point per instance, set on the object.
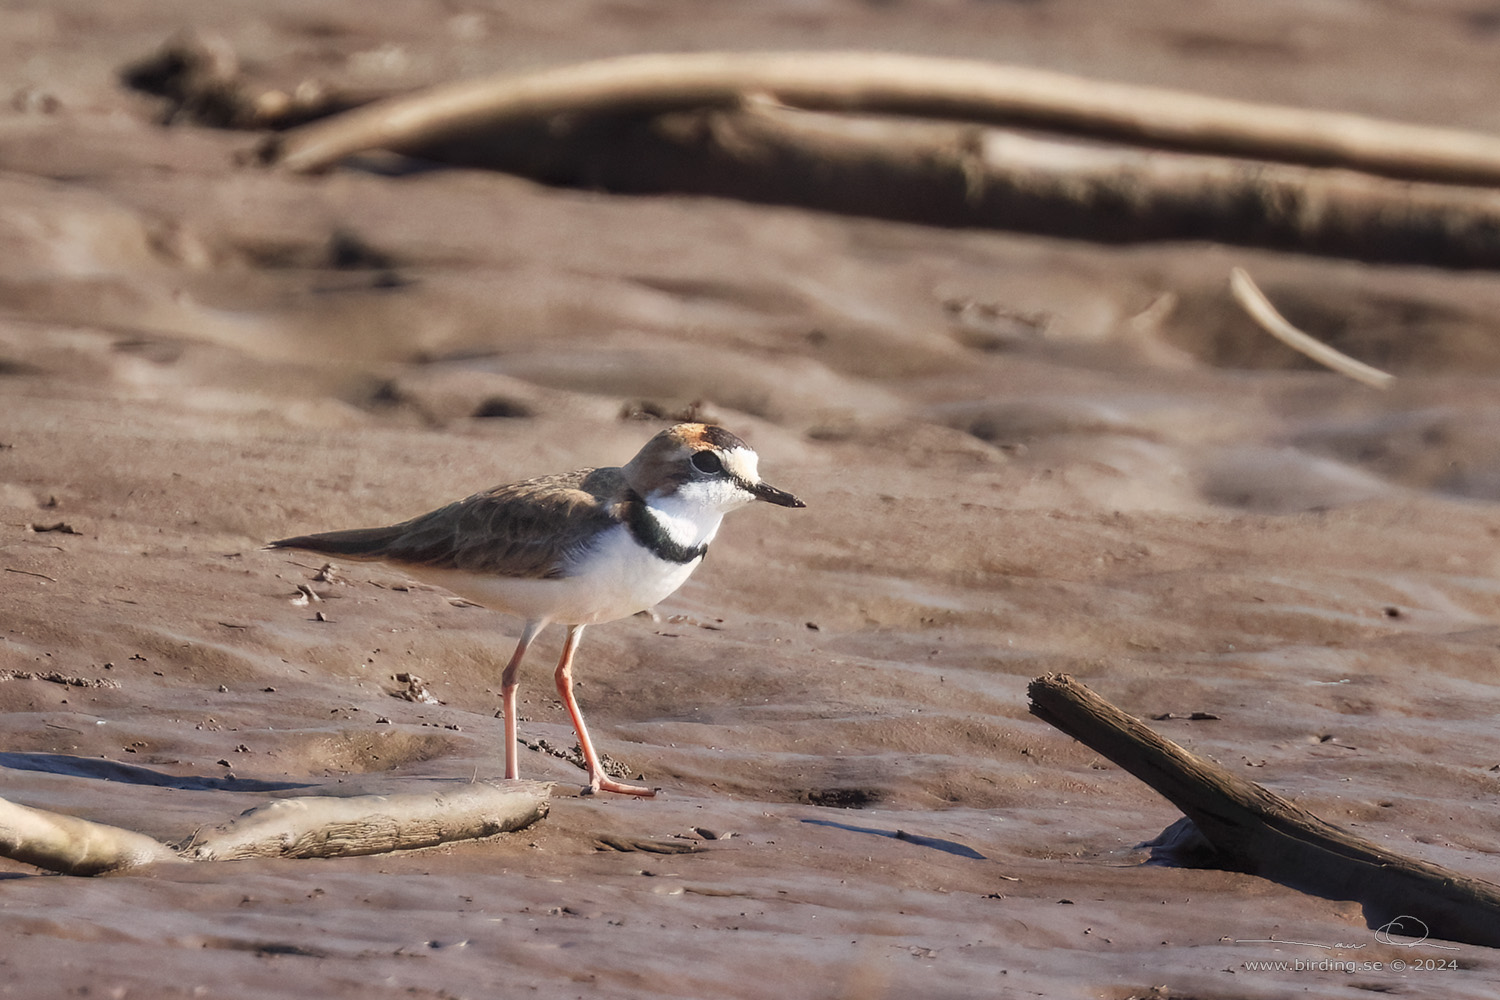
(1404, 931)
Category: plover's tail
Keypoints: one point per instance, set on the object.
(357, 543)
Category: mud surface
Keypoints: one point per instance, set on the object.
(1020, 455)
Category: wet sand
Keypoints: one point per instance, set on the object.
(1095, 466)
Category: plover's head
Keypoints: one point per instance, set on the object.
(703, 465)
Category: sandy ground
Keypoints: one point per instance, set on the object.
(1073, 473)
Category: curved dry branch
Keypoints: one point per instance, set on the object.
(1248, 294)
(901, 84)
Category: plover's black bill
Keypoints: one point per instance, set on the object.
(771, 494)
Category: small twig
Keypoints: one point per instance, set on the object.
(1254, 302)
(27, 572)
(62, 527)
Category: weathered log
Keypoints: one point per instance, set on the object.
(889, 83)
(1256, 831)
(324, 826)
(317, 826)
(964, 176)
(954, 175)
(709, 124)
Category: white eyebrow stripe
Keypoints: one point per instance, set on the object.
(743, 464)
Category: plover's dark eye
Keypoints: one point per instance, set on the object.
(707, 463)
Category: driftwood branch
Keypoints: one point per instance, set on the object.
(887, 83)
(316, 826)
(964, 176)
(938, 174)
(73, 846)
(321, 826)
(1257, 831)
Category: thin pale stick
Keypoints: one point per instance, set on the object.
(1254, 302)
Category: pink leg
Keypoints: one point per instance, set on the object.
(598, 781)
(508, 684)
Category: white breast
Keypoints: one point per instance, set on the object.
(614, 579)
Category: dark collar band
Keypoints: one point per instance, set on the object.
(646, 529)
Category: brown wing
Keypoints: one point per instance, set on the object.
(526, 529)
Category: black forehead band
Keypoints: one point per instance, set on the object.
(721, 439)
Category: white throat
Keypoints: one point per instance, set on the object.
(685, 519)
